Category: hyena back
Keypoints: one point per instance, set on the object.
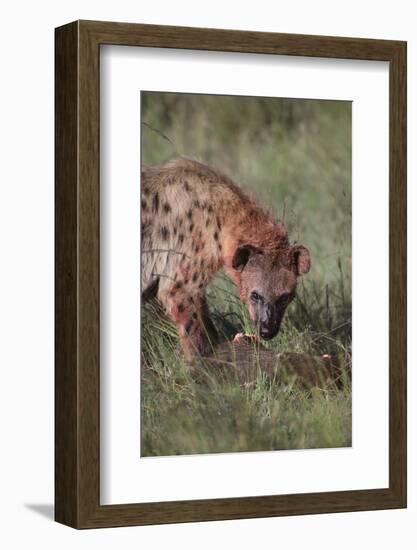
(195, 221)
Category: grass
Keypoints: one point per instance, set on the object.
(295, 156)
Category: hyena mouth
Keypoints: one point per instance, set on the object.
(267, 334)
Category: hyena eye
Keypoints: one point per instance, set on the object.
(255, 297)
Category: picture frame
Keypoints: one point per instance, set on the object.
(77, 223)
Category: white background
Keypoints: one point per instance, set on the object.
(26, 289)
(126, 478)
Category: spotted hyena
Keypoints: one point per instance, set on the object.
(195, 220)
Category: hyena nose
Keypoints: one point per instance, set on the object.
(264, 333)
(267, 333)
(268, 326)
(268, 330)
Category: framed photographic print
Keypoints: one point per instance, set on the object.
(230, 274)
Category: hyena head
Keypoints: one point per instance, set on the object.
(267, 283)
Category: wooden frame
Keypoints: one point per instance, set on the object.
(77, 274)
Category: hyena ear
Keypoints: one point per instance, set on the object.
(300, 259)
(242, 255)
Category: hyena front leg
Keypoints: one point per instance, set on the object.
(191, 317)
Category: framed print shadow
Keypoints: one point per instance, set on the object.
(230, 274)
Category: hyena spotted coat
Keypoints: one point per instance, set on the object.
(195, 220)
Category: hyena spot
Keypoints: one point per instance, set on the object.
(216, 236)
(180, 238)
(190, 215)
(155, 202)
(191, 227)
(143, 204)
(164, 233)
(195, 277)
(167, 208)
